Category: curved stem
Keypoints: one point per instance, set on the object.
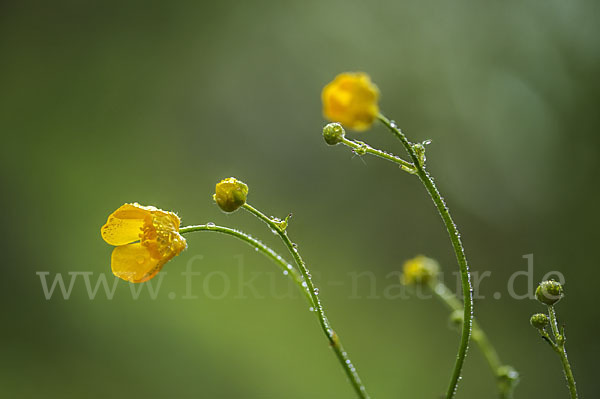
(546, 337)
(458, 250)
(559, 347)
(287, 268)
(280, 228)
(505, 388)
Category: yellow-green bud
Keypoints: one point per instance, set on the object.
(333, 133)
(420, 270)
(508, 376)
(549, 292)
(539, 321)
(457, 317)
(230, 194)
(420, 151)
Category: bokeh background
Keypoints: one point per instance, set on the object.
(107, 102)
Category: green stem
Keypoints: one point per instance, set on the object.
(363, 148)
(458, 250)
(560, 348)
(554, 324)
(331, 335)
(287, 268)
(505, 387)
(547, 338)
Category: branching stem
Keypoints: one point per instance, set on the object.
(559, 347)
(286, 267)
(458, 251)
(418, 167)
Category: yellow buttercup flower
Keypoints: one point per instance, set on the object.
(145, 238)
(351, 99)
(420, 270)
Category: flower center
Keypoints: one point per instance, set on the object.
(160, 235)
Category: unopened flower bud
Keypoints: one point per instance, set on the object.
(508, 376)
(230, 194)
(333, 133)
(420, 270)
(539, 321)
(420, 151)
(549, 292)
(457, 317)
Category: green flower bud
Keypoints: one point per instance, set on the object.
(508, 376)
(457, 317)
(420, 151)
(549, 292)
(539, 321)
(230, 194)
(333, 133)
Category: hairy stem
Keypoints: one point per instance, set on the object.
(331, 335)
(458, 250)
(286, 267)
(360, 148)
(560, 348)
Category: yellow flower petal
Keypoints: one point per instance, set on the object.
(133, 263)
(157, 233)
(351, 99)
(125, 224)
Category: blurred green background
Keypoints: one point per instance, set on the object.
(109, 102)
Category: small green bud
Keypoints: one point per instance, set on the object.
(333, 133)
(539, 321)
(420, 151)
(549, 292)
(361, 149)
(230, 194)
(508, 376)
(457, 317)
